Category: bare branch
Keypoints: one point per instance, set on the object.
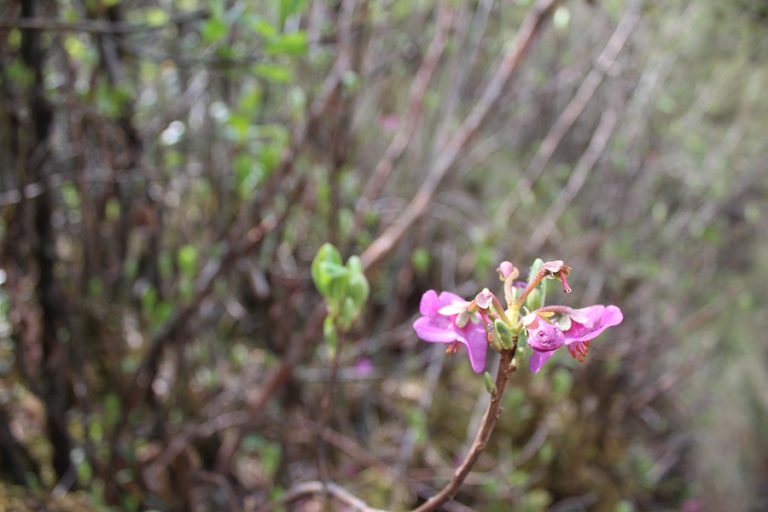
(481, 438)
(530, 27)
(603, 65)
(301, 490)
(98, 26)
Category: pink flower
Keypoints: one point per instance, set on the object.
(445, 319)
(552, 327)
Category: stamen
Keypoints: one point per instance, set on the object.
(452, 348)
(579, 350)
(566, 288)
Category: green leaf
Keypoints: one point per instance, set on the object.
(187, 259)
(358, 289)
(214, 29)
(156, 17)
(331, 335)
(522, 339)
(273, 73)
(490, 384)
(263, 28)
(355, 264)
(327, 254)
(561, 383)
(112, 209)
(534, 300)
(535, 269)
(333, 270)
(289, 8)
(504, 333)
(294, 43)
(251, 99)
(111, 410)
(420, 260)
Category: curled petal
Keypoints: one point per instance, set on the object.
(484, 299)
(544, 336)
(452, 309)
(474, 338)
(430, 303)
(450, 297)
(553, 266)
(538, 359)
(598, 318)
(431, 329)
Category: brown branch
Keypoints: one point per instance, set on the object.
(303, 489)
(603, 65)
(246, 234)
(203, 287)
(415, 112)
(586, 163)
(446, 158)
(98, 26)
(481, 438)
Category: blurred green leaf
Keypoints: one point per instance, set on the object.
(288, 8)
(420, 260)
(187, 260)
(274, 72)
(156, 16)
(294, 43)
(214, 29)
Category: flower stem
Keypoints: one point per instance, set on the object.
(481, 438)
(528, 289)
(499, 308)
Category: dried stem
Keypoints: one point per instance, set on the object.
(98, 26)
(310, 488)
(415, 112)
(481, 438)
(603, 65)
(453, 148)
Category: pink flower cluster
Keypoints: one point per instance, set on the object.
(447, 318)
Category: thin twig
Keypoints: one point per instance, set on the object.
(406, 130)
(303, 489)
(481, 439)
(603, 65)
(577, 179)
(99, 26)
(445, 160)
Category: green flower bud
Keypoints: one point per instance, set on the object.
(490, 385)
(504, 334)
(533, 301)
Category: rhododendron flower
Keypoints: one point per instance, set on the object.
(445, 319)
(552, 327)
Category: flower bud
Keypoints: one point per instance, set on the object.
(490, 385)
(507, 271)
(504, 334)
(533, 302)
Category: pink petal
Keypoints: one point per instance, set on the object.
(599, 318)
(538, 359)
(449, 297)
(429, 303)
(545, 336)
(453, 309)
(429, 330)
(473, 337)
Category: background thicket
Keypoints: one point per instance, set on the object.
(170, 169)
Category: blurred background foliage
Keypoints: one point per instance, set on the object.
(170, 169)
